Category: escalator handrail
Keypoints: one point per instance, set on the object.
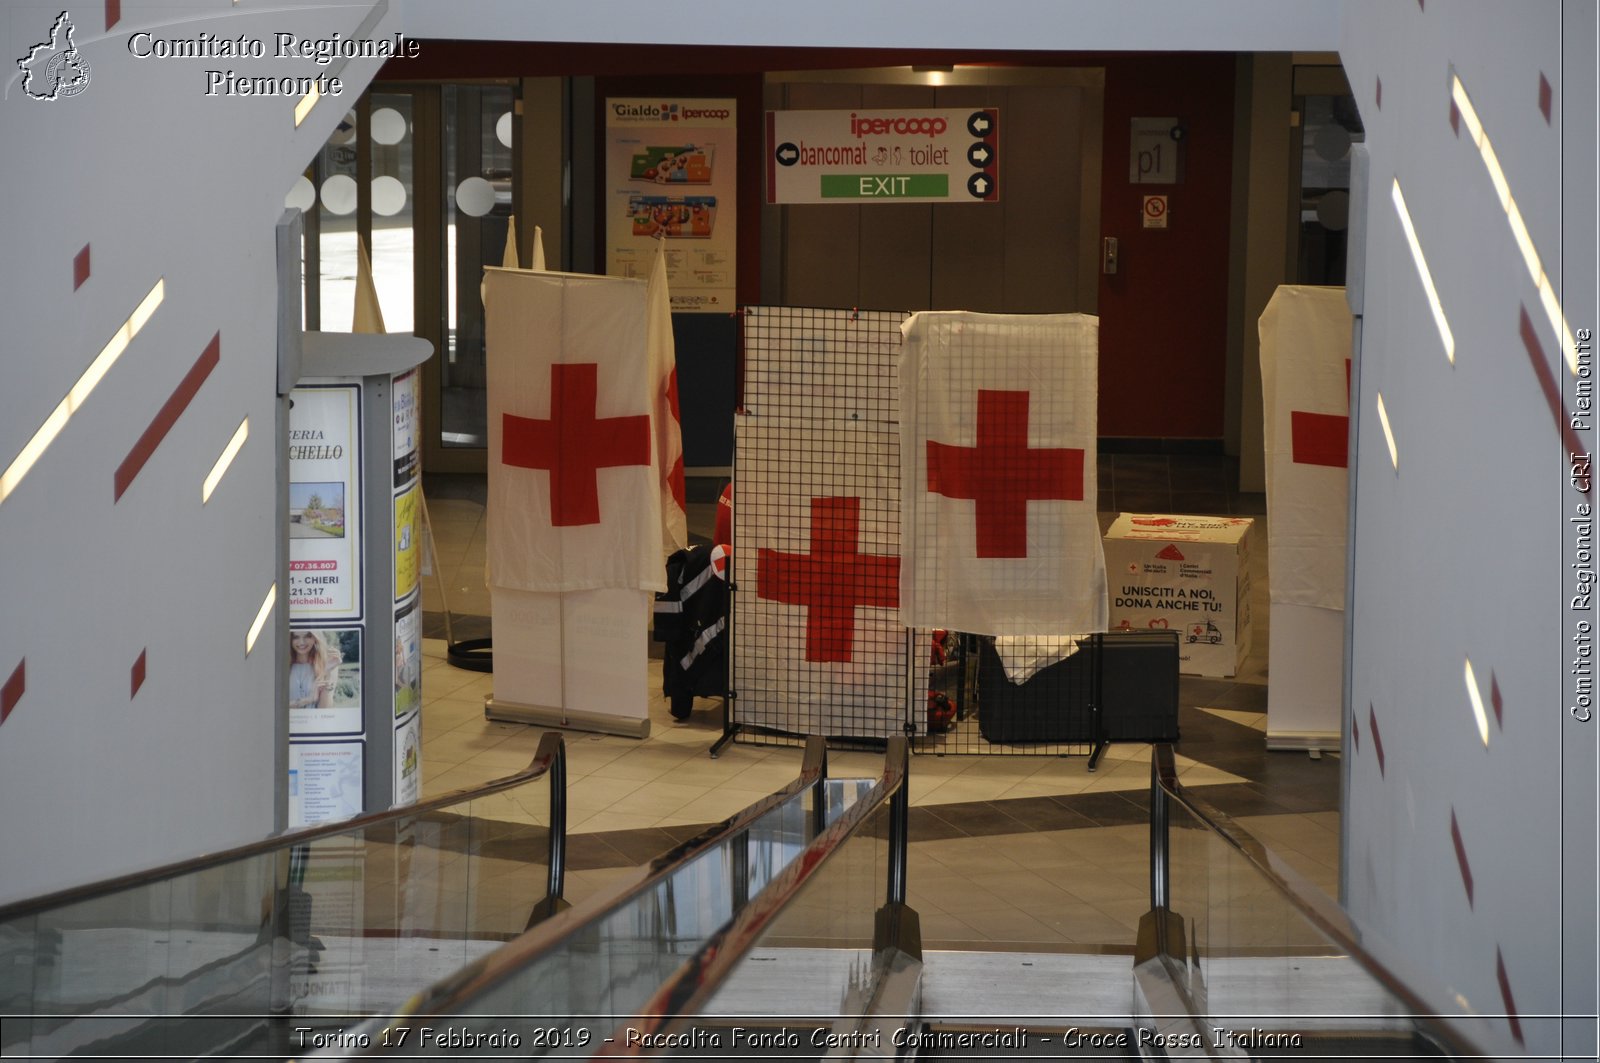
(1314, 904)
(549, 758)
(698, 979)
(484, 974)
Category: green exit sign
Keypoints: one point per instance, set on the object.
(886, 186)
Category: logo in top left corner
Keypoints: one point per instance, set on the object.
(55, 69)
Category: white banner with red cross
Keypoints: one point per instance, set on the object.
(574, 483)
(668, 418)
(818, 643)
(1305, 385)
(998, 433)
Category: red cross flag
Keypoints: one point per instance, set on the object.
(668, 421)
(1305, 390)
(998, 431)
(574, 487)
(818, 643)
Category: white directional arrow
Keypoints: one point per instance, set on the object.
(981, 185)
(980, 124)
(979, 155)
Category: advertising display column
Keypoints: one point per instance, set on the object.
(355, 644)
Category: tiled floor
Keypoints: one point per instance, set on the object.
(1016, 852)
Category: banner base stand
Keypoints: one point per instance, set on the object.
(1303, 740)
(505, 711)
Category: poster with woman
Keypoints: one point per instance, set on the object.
(325, 681)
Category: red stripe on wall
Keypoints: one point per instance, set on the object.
(113, 13)
(1552, 391)
(1377, 736)
(137, 677)
(167, 416)
(1461, 856)
(11, 693)
(1505, 994)
(80, 268)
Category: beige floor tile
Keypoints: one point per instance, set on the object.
(1084, 886)
(590, 794)
(967, 788)
(444, 680)
(644, 765)
(712, 807)
(613, 819)
(946, 766)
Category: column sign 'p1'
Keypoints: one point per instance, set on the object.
(917, 155)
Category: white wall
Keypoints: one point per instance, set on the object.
(165, 183)
(1459, 554)
(162, 183)
(1078, 25)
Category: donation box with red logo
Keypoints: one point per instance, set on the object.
(1189, 574)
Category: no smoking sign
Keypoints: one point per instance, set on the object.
(1155, 212)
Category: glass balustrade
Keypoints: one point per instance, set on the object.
(235, 953)
(1264, 964)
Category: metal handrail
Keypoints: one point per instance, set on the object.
(697, 980)
(1320, 910)
(550, 757)
(486, 973)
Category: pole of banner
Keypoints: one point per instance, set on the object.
(475, 655)
(433, 558)
(561, 596)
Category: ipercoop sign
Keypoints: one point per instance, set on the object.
(923, 155)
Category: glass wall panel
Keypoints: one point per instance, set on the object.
(392, 135)
(334, 178)
(478, 131)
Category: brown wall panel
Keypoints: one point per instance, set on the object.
(1042, 198)
(896, 239)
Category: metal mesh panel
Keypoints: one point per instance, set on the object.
(817, 645)
(999, 499)
(817, 641)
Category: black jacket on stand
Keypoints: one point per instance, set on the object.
(691, 619)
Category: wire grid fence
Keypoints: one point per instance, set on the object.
(1018, 695)
(818, 646)
(1001, 532)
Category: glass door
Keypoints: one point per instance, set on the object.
(422, 177)
(478, 125)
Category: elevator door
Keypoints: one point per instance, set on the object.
(1033, 251)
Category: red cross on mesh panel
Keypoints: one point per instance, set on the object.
(574, 444)
(1323, 438)
(831, 580)
(1001, 474)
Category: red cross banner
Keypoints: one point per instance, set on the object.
(574, 479)
(668, 420)
(819, 647)
(998, 434)
(1305, 386)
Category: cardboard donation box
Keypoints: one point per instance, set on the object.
(1189, 574)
